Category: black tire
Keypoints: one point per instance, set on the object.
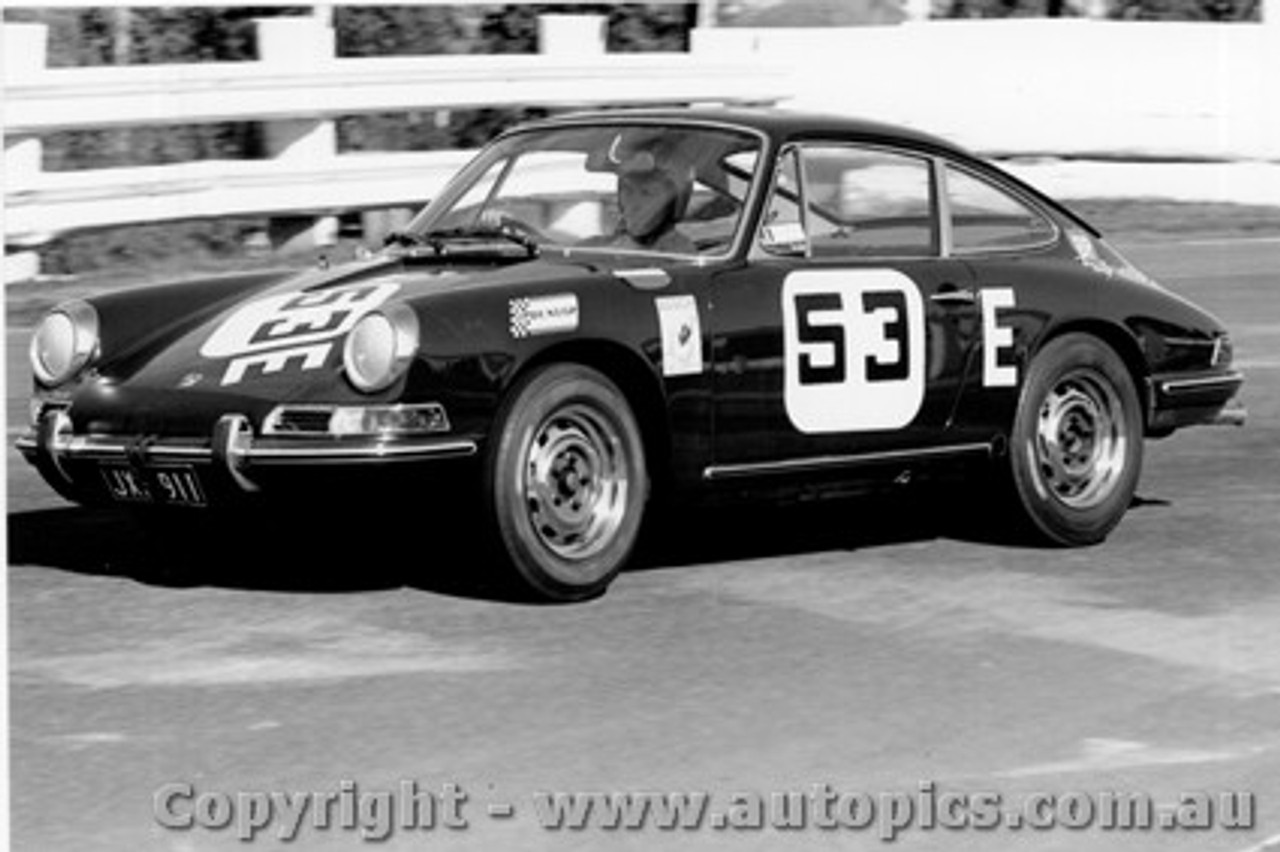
(565, 481)
(1075, 451)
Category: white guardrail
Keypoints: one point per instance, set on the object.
(299, 88)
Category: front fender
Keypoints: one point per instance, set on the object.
(134, 319)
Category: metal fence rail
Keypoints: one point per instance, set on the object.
(299, 88)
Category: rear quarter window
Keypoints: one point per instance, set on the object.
(987, 218)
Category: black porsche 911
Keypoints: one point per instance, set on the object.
(694, 302)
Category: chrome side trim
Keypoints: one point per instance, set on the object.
(942, 206)
(733, 471)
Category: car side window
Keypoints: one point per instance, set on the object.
(986, 218)
(866, 202)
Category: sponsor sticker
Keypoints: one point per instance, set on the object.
(543, 315)
(1087, 253)
(681, 335)
(1105, 261)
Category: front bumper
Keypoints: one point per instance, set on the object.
(233, 457)
(1181, 399)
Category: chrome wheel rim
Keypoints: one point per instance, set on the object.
(1080, 445)
(575, 482)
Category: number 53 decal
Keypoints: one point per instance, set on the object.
(854, 344)
(855, 348)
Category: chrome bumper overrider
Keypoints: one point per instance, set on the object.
(233, 447)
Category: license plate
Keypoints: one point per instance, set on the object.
(175, 486)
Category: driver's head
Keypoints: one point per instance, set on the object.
(652, 196)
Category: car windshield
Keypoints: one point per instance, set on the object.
(631, 188)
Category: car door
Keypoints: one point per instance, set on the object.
(1009, 244)
(846, 336)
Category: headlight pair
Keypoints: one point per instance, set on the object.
(65, 342)
(380, 347)
(377, 352)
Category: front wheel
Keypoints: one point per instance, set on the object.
(1076, 446)
(566, 482)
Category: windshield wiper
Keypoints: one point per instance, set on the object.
(401, 239)
(436, 240)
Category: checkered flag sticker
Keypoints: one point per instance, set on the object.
(519, 318)
(532, 315)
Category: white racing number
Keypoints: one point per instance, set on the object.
(854, 349)
(297, 329)
(997, 339)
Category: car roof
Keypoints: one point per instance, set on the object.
(781, 125)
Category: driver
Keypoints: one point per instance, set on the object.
(652, 197)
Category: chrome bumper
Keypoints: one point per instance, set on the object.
(232, 448)
(1206, 399)
(1183, 386)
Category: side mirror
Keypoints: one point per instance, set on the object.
(785, 238)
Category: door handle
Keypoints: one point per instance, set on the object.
(950, 295)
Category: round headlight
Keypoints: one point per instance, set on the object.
(380, 347)
(65, 341)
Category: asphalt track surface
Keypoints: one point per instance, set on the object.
(854, 645)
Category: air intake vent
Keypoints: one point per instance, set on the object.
(299, 420)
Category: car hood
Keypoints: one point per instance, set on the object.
(284, 342)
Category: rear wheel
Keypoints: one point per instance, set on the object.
(1076, 446)
(566, 481)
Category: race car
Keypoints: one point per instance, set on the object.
(683, 304)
